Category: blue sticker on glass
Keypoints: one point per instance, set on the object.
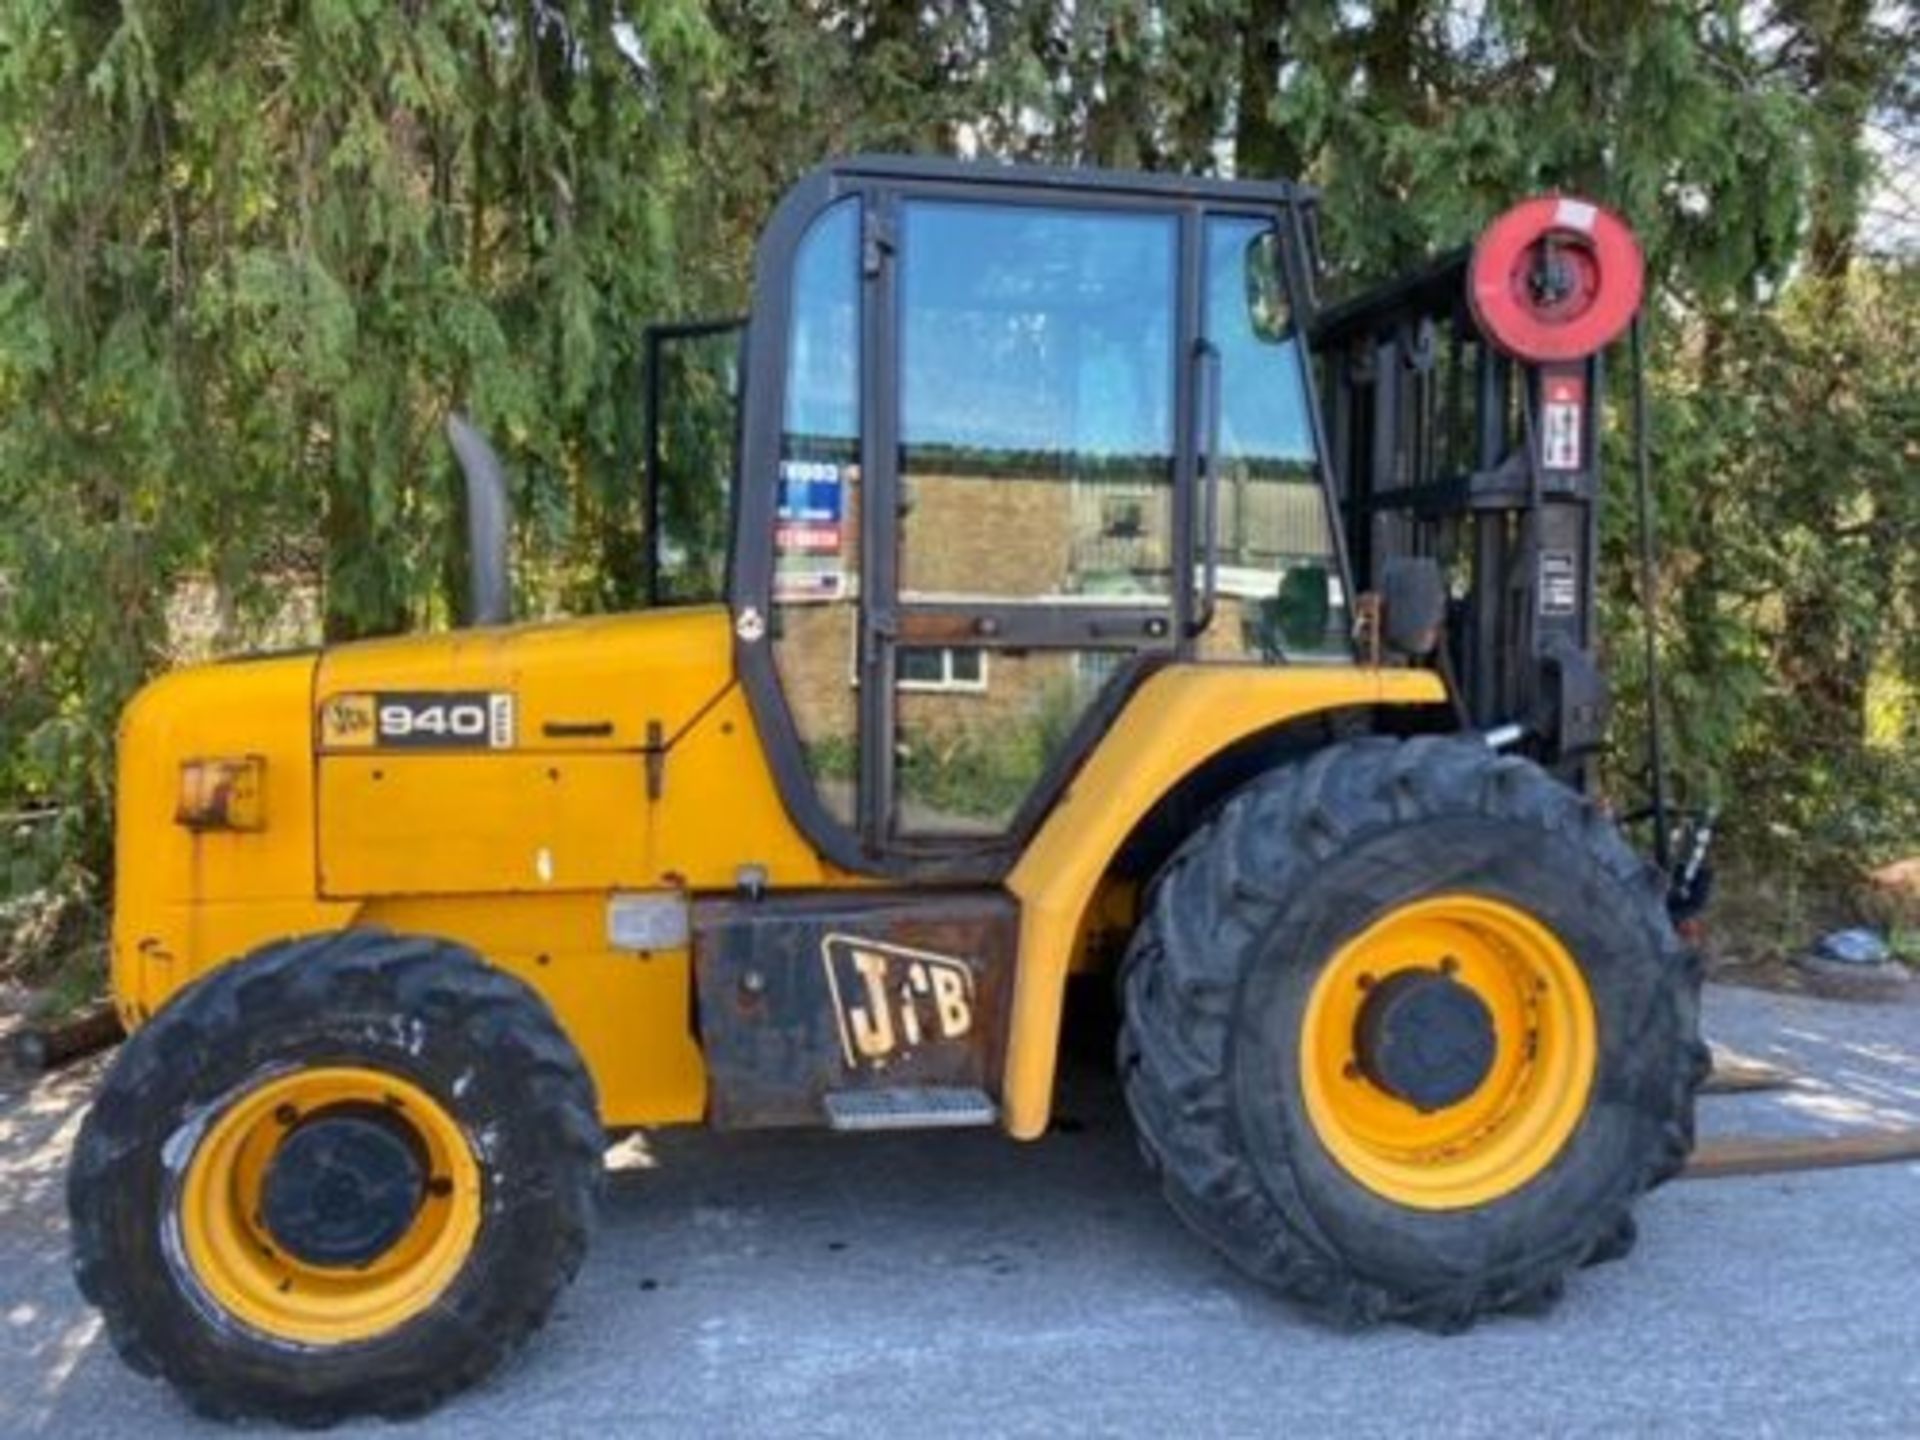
(810, 492)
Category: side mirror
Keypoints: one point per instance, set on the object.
(1413, 605)
(1268, 312)
(489, 596)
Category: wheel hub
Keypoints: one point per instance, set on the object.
(344, 1186)
(1425, 1038)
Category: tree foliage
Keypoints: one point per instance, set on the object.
(252, 254)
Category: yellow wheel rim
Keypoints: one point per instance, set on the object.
(235, 1260)
(1535, 1089)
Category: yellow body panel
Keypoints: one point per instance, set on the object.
(627, 1014)
(719, 810)
(635, 766)
(560, 811)
(1182, 715)
(185, 900)
(512, 851)
(480, 823)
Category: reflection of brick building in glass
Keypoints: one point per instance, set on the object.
(976, 726)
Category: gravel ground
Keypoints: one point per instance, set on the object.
(963, 1285)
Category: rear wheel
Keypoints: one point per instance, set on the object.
(348, 1174)
(1408, 1031)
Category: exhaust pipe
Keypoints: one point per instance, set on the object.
(489, 597)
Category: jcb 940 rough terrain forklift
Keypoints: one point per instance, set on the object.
(1093, 601)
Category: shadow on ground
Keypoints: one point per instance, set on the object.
(44, 1329)
(1855, 1066)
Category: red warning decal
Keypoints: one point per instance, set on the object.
(1563, 422)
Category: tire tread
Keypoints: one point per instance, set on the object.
(1181, 978)
(509, 1027)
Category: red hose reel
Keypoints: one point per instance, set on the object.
(1555, 278)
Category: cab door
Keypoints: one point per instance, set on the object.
(979, 423)
(1033, 385)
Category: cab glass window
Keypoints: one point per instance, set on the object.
(816, 535)
(1037, 383)
(694, 392)
(1036, 402)
(1279, 579)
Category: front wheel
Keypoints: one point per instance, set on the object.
(1408, 1031)
(345, 1175)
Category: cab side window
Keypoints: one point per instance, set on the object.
(1279, 587)
(816, 542)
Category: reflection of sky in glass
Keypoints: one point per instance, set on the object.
(1263, 412)
(823, 354)
(1030, 329)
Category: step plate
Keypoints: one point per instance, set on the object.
(926, 1107)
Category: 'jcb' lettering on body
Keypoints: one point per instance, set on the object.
(889, 1000)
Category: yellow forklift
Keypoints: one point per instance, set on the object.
(1046, 585)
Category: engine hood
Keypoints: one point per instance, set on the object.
(623, 682)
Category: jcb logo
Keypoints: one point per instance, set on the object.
(889, 999)
(346, 722)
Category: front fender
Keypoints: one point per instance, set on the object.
(1180, 718)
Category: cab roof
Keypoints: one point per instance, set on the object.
(945, 170)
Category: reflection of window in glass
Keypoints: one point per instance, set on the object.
(943, 669)
(1279, 584)
(930, 669)
(816, 524)
(966, 762)
(1036, 401)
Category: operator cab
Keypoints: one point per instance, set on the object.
(990, 416)
(1009, 438)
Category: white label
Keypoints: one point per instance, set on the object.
(648, 922)
(500, 721)
(1559, 582)
(1575, 215)
(1560, 435)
